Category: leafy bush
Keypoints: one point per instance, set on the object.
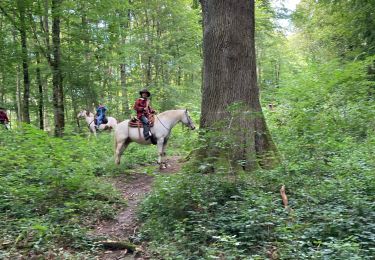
(48, 189)
(323, 125)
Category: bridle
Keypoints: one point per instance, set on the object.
(190, 122)
(83, 113)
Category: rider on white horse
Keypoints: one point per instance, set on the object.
(143, 108)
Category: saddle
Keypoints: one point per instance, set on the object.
(135, 122)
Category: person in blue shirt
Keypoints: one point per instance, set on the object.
(100, 115)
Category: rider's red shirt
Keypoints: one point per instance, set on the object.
(3, 116)
(142, 107)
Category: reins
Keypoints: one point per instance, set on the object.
(90, 123)
(162, 123)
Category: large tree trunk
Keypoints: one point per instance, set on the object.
(25, 62)
(230, 102)
(58, 95)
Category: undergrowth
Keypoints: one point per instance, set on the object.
(52, 191)
(324, 130)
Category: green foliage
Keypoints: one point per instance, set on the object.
(49, 190)
(52, 190)
(323, 125)
(157, 45)
(195, 216)
(321, 81)
(336, 29)
(324, 112)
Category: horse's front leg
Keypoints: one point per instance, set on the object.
(160, 145)
(164, 153)
(92, 131)
(119, 150)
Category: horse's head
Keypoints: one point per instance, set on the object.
(84, 113)
(81, 114)
(186, 120)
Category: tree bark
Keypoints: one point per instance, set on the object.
(230, 101)
(18, 95)
(45, 26)
(124, 91)
(40, 89)
(18, 86)
(124, 88)
(57, 80)
(25, 62)
(2, 71)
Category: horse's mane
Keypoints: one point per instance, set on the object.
(166, 112)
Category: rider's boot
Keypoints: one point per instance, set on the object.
(146, 131)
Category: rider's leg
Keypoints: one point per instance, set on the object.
(99, 120)
(146, 128)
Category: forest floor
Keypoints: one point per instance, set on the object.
(125, 225)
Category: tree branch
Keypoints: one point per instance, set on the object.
(42, 50)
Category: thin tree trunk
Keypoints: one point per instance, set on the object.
(124, 90)
(179, 69)
(40, 89)
(25, 62)
(149, 43)
(18, 87)
(124, 94)
(46, 120)
(18, 96)
(57, 80)
(230, 101)
(45, 26)
(2, 88)
(277, 73)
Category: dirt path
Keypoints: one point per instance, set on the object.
(133, 187)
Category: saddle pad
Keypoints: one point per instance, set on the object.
(135, 122)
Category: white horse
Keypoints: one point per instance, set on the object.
(161, 130)
(89, 117)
